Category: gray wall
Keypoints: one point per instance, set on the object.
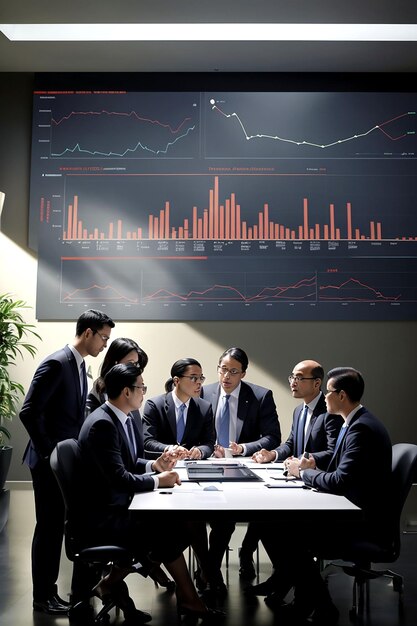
(383, 351)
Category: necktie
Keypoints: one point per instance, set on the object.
(340, 436)
(83, 383)
(131, 437)
(224, 421)
(180, 423)
(300, 431)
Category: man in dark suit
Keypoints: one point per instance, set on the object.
(363, 447)
(314, 431)
(53, 410)
(112, 473)
(246, 421)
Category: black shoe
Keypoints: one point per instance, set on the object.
(325, 615)
(263, 589)
(247, 566)
(52, 606)
(137, 617)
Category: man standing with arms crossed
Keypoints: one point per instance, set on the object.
(53, 410)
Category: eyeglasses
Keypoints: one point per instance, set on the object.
(232, 372)
(144, 388)
(195, 378)
(329, 391)
(298, 379)
(102, 337)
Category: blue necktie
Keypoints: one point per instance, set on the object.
(181, 424)
(224, 421)
(131, 438)
(340, 436)
(300, 431)
(83, 383)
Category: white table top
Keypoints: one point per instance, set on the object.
(245, 501)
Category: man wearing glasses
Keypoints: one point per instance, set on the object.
(246, 421)
(53, 410)
(310, 444)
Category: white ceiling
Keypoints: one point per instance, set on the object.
(208, 56)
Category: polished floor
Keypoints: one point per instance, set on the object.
(16, 591)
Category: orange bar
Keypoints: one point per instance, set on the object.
(119, 229)
(357, 233)
(200, 228)
(311, 233)
(250, 236)
(210, 212)
(332, 234)
(140, 235)
(235, 210)
(232, 220)
(95, 236)
(260, 226)
(150, 227)
(221, 222)
(80, 230)
(337, 233)
(281, 231)
(266, 220)
(227, 212)
(276, 231)
(349, 220)
(155, 228)
(363, 237)
(227, 221)
(75, 218)
(185, 228)
(271, 231)
(216, 202)
(111, 230)
(293, 234)
(317, 231)
(379, 231)
(244, 231)
(216, 223)
(167, 216)
(180, 232)
(102, 236)
(205, 224)
(326, 232)
(300, 232)
(372, 227)
(161, 224)
(195, 223)
(174, 233)
(255, 232)
(85, 235)
(238, 222)
(69, 228)
(287, 233)
(305, 207)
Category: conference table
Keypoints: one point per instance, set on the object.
(269, 498)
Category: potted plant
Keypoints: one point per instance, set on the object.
(13, 343)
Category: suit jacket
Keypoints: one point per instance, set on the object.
(53, 408)
(160, 426)
(360, 468)
(320, 437)
(110, 475)
(257, 419)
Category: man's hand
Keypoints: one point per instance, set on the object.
(307, 463)
(165, 462)
(236, 448)
(219, 452)
(263, 456)
(169, 479)
(292, 465)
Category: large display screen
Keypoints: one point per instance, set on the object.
(225, 205)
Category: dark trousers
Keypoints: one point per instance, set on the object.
(219, 539)
(49, 531)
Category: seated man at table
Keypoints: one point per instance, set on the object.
(246, 421)
(362, 452)
(313, 430)
(112, 474)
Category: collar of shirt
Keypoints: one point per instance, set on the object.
(122, 417)
(179, 402)
(234, 394)
(350, 416)
(77, 356)
(312, 405)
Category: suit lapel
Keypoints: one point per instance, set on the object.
(170, 414)
(319, 409)
(125, 450)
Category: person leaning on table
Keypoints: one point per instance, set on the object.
(360, 470)
(314, 431)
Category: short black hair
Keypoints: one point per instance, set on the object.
(120, 376)
(239, 355)
(317, 372)
(178, 369)
(349, 380)
(92, 319)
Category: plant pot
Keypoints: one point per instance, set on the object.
(5, 459)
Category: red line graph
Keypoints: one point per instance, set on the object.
(355, 284)
(132, 115)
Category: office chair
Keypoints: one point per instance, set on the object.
(363, 553)
(65, 464)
